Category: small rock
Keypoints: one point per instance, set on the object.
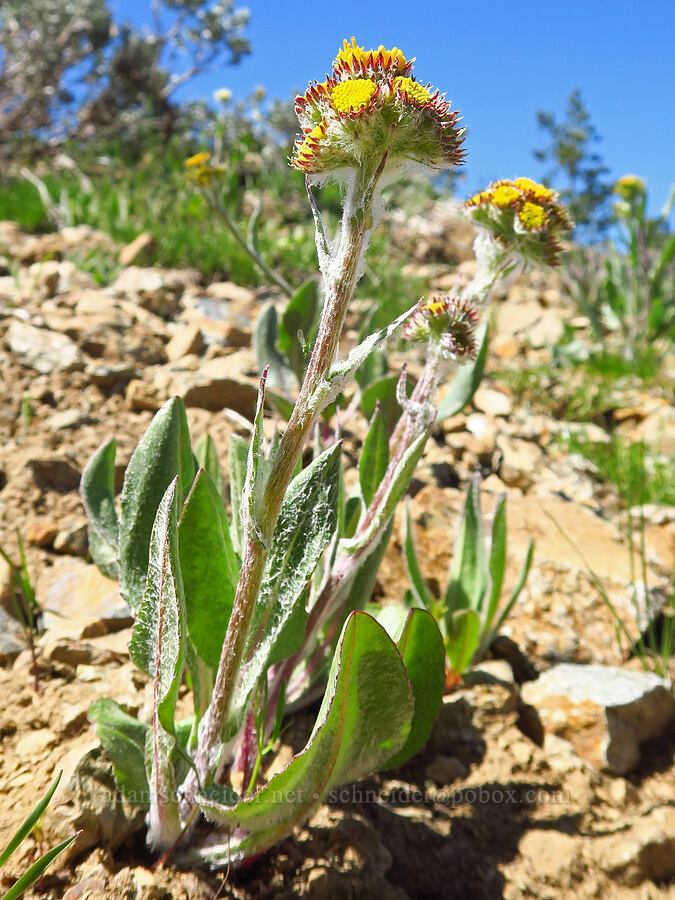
(186, 339)
(79, 601)
(645, 851)
(105, 374)
(44, 351)
(34, 745)
(520, 459)
(11, 638)
(73, 540)
(217, 384)
(141, 396)
(54, 473)
(605, 712)
(66, 419)
(92, 804)
(551, 855)
(446, 769)
(227, 290)
(41, 533)
(492, 402)
(139, 251)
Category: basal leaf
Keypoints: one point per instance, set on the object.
(206, 454)
(300, 317)
(123, 738)
(467, 581)
(421, 592)
(497, 564)
(209, 567)
(265, 335)
(374, 457)
(157, 647)
(364, 719)
(98, 495)
(462, 638)
(423, 653)
(163, 454)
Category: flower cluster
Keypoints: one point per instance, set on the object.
(447, 321)
(522, 216)
(369, 108)
(199, 167)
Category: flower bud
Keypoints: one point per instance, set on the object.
(370, 106)
(447, 321)
(630, 188)
(523, 217)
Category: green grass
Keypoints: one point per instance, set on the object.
(639, 475)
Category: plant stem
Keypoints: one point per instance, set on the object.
(340, 273)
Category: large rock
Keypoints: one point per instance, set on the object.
(221, 383)
(53, 472)
(158, 290)
(605, 712)
(44, 351)
(12, 641)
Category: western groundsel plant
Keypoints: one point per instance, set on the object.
(260, 609)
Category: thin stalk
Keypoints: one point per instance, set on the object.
(247, 245)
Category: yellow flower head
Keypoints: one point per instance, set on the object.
(523, 217)
(531, 216)
(197, 160)
(352, 95)
(372, 111)
(630, 187)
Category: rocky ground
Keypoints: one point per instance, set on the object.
(561, 785)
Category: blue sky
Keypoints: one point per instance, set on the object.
(498, 62)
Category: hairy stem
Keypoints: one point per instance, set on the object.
(340, 272)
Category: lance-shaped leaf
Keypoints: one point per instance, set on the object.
(462, 638)
(265, 334)
(98, 495)
(497, 563)
(365, 717)
(123, 738)
(209, 568)
(466, 381)
(382, 392)
(300, 317)
(396, 483)
(306, 523)
(343, 370)
(374, 457)
(157, 647)
(163, 454)
(206, 455)
(421, 593)
(423, 653)
(467, 582)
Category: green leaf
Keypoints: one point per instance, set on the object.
(265, 334)
(462, 638)
(364, 719)
(421, 592)
(29, 823)
(37, 869)
(374, 457)
(123, 738)
(520, 584)
(98, 495)
(306, 523)
(279, 403)
(351, 516)
(300, 317)
(466, 381)
(163, 454)
(206, 455)
(467, 580)
(382, 393)
(497, 564)
(255, 468)
(209, 567)
(363, 584)
(237, 458)
(157, 647)
(421, 646)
